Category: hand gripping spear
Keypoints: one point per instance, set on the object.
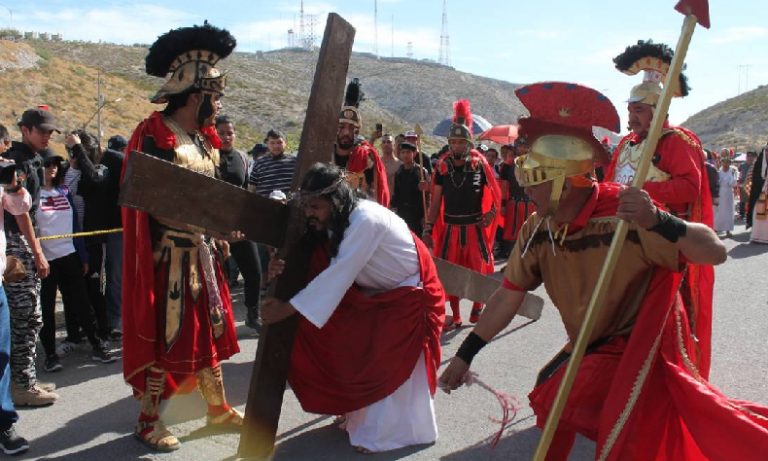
(694, 11)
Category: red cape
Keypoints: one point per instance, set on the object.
(370, 345)
(358, 162)
(491, 199)
(689, 186)
(139, 313)
(642, 399)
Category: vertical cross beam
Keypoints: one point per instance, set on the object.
(270, 369)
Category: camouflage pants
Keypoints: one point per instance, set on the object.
(26, 316)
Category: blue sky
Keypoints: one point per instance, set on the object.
(517, 41)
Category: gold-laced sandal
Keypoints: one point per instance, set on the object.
(363, 450)
(156, 436)
(230, 417)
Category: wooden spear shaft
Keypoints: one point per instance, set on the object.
(420, 132)
(598, 295)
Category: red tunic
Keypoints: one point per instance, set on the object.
(642, 398)
(144, 296)
(685, 193)
(370, 345)
(466, 250)
(359, 157)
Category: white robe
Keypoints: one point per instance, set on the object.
(760, 226)
(725, 211)
(377, 253)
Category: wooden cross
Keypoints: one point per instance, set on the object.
(221, 207)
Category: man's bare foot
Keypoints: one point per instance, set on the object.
(341, 422)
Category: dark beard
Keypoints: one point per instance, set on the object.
(345, 145)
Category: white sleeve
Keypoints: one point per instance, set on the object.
(319, 299)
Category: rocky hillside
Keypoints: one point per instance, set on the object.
(271, 89)
(741, 122)
(265, 90)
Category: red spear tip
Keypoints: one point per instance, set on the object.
(699, 8)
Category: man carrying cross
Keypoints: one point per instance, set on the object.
(177, 314)
(368, 341)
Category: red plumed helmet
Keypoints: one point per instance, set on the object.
(462, 121)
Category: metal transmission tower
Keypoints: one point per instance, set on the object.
(301, 24)
(376, 28)
(291, 39)
(445, 42)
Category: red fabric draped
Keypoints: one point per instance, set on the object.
(686, 192)
(642, 398)
(358, 162)
(370, 345)
(142, 336)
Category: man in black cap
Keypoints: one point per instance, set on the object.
(37, 126)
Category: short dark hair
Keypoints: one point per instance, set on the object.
(274, 134)
(223, 119)
(4, 134)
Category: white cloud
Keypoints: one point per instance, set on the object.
(739, 34)
(137, 23)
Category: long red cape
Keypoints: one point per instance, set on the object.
(642, 398)
(683, 157)
(370, 345)
(139, 312)
(491, 200)
(358, 162)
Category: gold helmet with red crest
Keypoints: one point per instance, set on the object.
(559, 133)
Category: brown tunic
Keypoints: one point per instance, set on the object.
(570, 270)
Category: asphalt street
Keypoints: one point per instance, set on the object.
(95, 416)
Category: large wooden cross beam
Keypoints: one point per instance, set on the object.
(221, 207)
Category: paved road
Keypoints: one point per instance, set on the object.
(94, 418)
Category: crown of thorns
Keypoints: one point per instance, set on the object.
(304, 195)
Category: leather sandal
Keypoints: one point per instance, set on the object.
(454, 325)
(230, 417)
(156, 436)
(474, 316)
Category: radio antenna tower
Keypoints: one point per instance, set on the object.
(301, 24)
(445, 43)
(376, 28)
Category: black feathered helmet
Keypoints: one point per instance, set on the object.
(654, 60)
(350, 112)
(190, 55)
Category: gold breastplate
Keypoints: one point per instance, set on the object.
(629, 160)
(202, 158)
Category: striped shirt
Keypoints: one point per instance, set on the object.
(269, 174)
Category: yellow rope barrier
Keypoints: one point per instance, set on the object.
(82, 234)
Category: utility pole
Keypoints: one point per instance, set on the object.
(445, 45)
(745, 68)
(99, 105)
(392, 45)
(376, 28)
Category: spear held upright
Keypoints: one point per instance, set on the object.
(695, 11)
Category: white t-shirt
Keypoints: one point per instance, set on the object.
(54, 217)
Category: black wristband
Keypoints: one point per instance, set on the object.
(669, 226)
(470, 347)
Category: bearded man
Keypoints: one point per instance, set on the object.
(177, 312)
(368, 342)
